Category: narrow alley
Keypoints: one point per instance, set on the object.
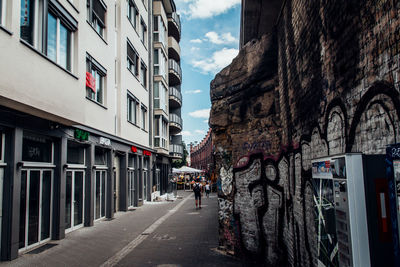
(163, 234)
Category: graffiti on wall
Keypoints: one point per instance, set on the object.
(273, 196)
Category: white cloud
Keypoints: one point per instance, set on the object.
(218, 61)
(202, 113)
(205, 121)
(196, 41)
(208, 8)
(225, 38)
(186, 133)
(200, 132)
(193, 92)
(194, 49)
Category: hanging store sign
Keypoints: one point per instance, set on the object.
(81, 135)
(105, 141)
(90, 81)
(134, 149)
(146, 153)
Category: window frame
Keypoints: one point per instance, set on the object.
(162, 135)
(143, 74)
(93, 66)
(143, 109)
(36, 33)
(133, 7)
(130, 118)
(94, 19)
(143, 32)
(132, 62)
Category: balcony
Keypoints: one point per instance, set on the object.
(174, 50)
(175, 124)
(175, 98)
(176, 151)
(175, 72)
(174, 26)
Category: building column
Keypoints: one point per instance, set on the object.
(123, 183)
(60, 160)
(11, 195)
(89, 186)
(110, 185)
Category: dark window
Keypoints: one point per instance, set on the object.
(75, 154)
(132, 59)
(36, 148)
(133, 13)
(143, 74)
(100, 156)
(97, 15)
(132, 109)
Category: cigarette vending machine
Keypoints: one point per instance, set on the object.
(351, 205)
(393, 174)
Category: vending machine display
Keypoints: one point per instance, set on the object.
(347, 210)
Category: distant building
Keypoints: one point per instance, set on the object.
(201, 155)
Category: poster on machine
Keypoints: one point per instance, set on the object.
(322, 169)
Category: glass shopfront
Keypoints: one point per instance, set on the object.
(36, 191)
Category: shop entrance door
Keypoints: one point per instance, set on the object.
(74, 199)
(100, 194)
(131, 188)
(35, 207)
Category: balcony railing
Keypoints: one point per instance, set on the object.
(175, 119)
(176, 149)
(175, 93)
(173, 65)
(176, 18)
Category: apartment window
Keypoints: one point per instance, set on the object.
(159, 30)
(132, 59)
(160, 62)
(143, 74)
(47, 26)
(96, 15)
(99, 74)
(160, 132)
(160, 96)
(143, 32)
(132, 109)
(144, 117)
(133, 13)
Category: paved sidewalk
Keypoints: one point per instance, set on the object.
(94, 246)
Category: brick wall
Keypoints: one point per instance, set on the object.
(325, 81)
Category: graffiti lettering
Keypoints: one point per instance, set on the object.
(259, 145)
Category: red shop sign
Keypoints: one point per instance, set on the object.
(146, 153)
(133, 149)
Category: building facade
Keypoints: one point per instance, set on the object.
(312, 79)
(201, 155)
(77, 118)
(167, 89)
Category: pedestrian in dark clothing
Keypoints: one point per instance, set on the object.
(197, 194)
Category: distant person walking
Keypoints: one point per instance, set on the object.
(207, 189)
(197, 193)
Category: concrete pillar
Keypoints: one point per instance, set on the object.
(110, 185)
(60, 160)
(11, 194)
(123, 183)
(89, 186)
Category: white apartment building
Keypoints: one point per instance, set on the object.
(167, 87)
(76, 116)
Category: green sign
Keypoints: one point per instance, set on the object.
(81, 135)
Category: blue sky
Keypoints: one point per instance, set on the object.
(209, 42)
